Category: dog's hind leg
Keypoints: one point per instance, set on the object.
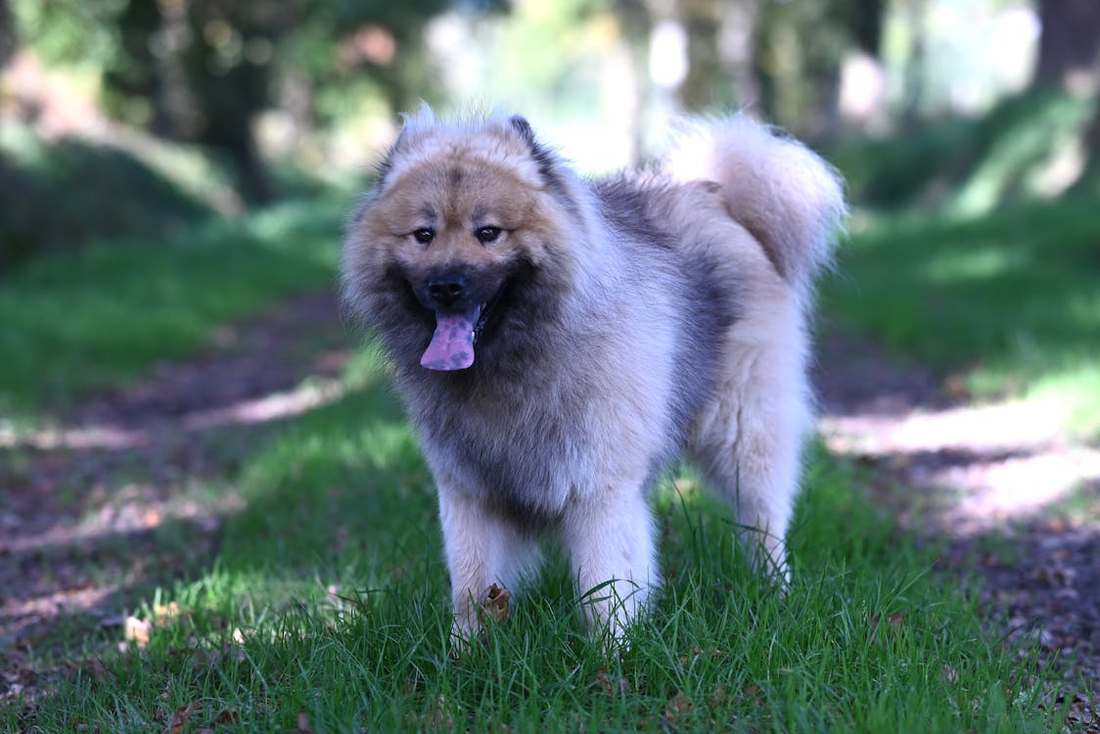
(483, 548)
(749, 439)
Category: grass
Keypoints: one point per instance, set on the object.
(1007, 300)
(327, 605)
(75, 322)
(971, 256)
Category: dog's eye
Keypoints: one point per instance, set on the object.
(485, 235)
(424, 235)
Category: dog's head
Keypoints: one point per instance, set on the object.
(464, 239)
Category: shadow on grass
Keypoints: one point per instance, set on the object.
(123, 523)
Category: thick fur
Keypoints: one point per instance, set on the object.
(635, 319)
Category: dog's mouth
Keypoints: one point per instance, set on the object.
(456, 334)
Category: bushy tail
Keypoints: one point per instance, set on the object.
(784, 194)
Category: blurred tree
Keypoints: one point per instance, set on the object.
(799, 49)
(7, 33)
(701, 20)
(1069, 58)
(1069, 45)
(201, 70)
(862, 20)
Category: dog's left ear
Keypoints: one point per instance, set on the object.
(547, 163)
(520, 125)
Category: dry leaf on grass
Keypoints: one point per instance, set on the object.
(610, 686)
(678, 705)
(181, 717)
(227, 716)
(754, 693)
(495, 606)
(896, 622)
(137, 631)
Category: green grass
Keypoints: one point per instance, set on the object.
(977, 253)
(99, 317)
(1009, 300)
(328, 599)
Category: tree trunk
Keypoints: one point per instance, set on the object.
(700, 20)
(1069, 58)
(7, 33)
(1069, 46)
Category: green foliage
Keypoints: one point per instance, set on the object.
(79, 32)
(969, 166)
(59, 196)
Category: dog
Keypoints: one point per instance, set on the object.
(559, 341)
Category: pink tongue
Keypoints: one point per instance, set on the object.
(452, 346)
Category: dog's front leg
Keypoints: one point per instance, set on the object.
(482, 549)
(609, 535)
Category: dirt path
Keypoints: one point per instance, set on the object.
(983, 477)
(84, 506)
(100, 510)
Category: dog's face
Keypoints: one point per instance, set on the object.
(458, 243)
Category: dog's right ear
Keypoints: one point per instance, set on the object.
(382, 170)
(410, 122)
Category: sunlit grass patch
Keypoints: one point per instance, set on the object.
(98, 317)
(1008, 300)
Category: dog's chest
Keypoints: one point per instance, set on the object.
(520, 450)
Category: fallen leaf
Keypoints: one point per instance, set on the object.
(495, 606)
(180, 717)
(679, 704)
(100, 673)
(137, 631)
(955, 386)
(228, 716)
(612, 687)
(162, 615)
(438, 716)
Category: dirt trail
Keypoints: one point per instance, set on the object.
(984, 477)
(102, 508)
(101, 485)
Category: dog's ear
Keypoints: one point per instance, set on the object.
(550, 168)
(520, 125)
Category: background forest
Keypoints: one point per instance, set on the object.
(209, 107)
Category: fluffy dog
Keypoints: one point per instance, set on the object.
(559, 341)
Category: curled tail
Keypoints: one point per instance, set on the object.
(790, 199)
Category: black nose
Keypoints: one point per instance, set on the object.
(447, 290)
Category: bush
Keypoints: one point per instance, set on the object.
(60, 196)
